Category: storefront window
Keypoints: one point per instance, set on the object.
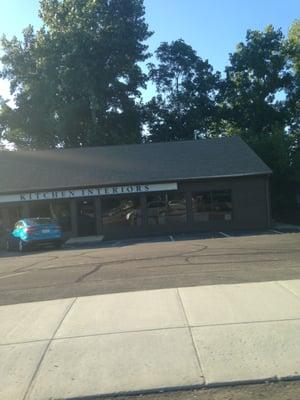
(39, 210)
(221, 205)
(176, 207)
(212, 206)
(60, 210)
(166, 208)
(201, 206)
(14, 214)
(124, 211)
(156, 209)
(4, 222)
(9, 216)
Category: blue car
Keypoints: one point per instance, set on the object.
(31, 232)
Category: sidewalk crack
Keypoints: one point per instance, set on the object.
(29, 388)
(191, 336)
(288, 289)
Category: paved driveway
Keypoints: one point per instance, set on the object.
(166, 262)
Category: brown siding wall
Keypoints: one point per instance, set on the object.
(250, 198)
(250, 209)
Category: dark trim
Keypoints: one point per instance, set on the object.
(250, 202)
(98, 211)
(268, 205)
(191, 179)
(74, 217)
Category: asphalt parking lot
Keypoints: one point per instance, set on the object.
(153, 263)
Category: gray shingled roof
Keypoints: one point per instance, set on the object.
(113, 165)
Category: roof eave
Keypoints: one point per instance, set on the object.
(194, 178)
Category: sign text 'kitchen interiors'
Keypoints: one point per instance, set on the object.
(86, 192)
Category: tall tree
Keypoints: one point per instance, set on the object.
(186, 93)
(294, 93)
(257, 81)
(76, 82)
(255, 92)
(294, 103)
(294, 42)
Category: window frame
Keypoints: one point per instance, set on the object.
(211, 207)
(120, 198)
(169, 218)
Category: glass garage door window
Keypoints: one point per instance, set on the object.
(221, 205)
(212, 206)
(61, 211)
(121, 211)
(166, 208)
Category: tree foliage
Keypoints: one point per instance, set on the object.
(294, 94)
(294, 100)
(76, 82)
(294, 43)
(256, 83)
(185, 104)
(257, 98)
(259, 101)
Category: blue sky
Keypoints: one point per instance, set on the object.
(211, 27)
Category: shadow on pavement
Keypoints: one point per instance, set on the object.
(149, 239)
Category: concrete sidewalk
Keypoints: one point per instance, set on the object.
(151, 340)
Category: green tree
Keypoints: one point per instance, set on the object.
(294, 93)
(258, 96)
(294, 42)
(294, 103)
(185, 104)
(76, 81)
(256, 83)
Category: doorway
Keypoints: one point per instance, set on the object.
(14, 214)
(39, 210)
(86, 213)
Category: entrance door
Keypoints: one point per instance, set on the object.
(14, 215)
(86, 217)
(40, 210)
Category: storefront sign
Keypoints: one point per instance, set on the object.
(103, 191)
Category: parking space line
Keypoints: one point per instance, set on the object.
(275, 231)
(116, 244)
(224, 234)
(14, 274)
